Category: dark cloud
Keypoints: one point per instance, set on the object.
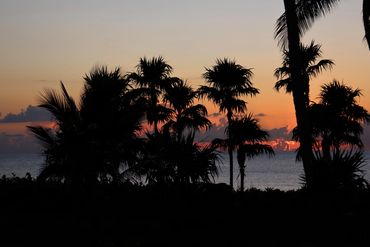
(216, 114)
(216, 131)
(18, 143)
(31, 114)
(280, 133)
(366, 137)
(260, 115)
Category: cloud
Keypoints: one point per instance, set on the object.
(215, 131)
(31, 114)
(260, 115)
(18, 143)
(280, 133)
(216, 114)
(366, 137)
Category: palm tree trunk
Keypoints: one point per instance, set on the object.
(300, 96)
(242, 175)
(366, 19)
(230, 149)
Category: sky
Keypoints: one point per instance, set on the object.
(43, 42)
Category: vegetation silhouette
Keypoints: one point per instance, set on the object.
(247, 138)
(300, 15)
(169, 160)
(227, 82)
(100, 140)
(185, 115)
(91, 142)
(152, 77)
(300, 89)
(337, 124)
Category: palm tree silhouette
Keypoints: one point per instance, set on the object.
(248, 139)
(309, 54)
(338, 119)
(112, 113)
(308, 68)
(64, 149)
(298, 18)
(153, 76)
(186, 115)
(93, 141)
(300, 15)
(228, 82)
(168, 160)
(336, 123)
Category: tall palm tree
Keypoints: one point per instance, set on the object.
(308, 68)
(247, 139)
(298, 18)
(338, 118)
(186, 115)
(227, 82)
(366, 19)
(153, 76)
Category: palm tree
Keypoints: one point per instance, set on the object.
(366, 19)
(112, 114)
(186, 115)
(168, 160)
(298, 18)
(228, 82)
(64, 149)
(92, 141)
(309, 54)
(153, 76)
(338, 119)
(248, 139)
(308, 68)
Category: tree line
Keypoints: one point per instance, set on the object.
(141, 125)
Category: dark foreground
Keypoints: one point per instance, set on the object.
(208, 215)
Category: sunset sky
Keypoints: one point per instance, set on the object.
(45, 41)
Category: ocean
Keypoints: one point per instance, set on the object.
(280, 172)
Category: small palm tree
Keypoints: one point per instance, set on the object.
(310, 68)
(167, 160)
(64, 148)
(247, 139)
(153, 76)
(227, 82)
(338, 118)
(186, 115)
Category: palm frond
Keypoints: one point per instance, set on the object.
(322, 65)
(307, 12)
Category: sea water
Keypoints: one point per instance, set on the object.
(280, 171)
